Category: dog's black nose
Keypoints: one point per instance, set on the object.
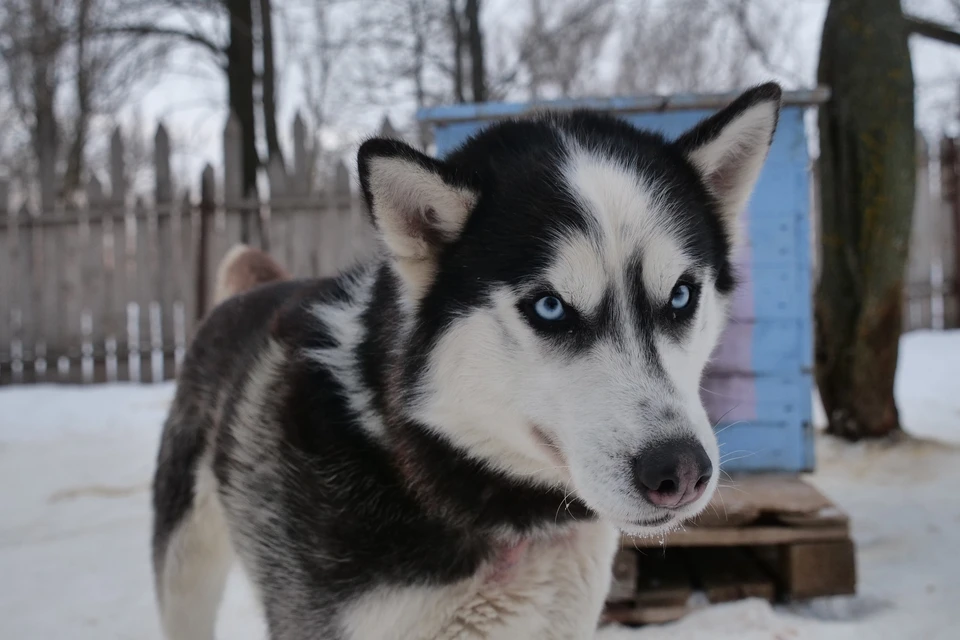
(674, 473)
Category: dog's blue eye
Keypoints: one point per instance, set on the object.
(681, 297)
(550, 308)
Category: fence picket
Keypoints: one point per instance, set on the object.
(115, 286)
(7, 275)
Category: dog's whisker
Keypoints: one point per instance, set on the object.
(746, 455)
(716, 393)
(725, 414)
(723, 503)
(564, 502)
(541, 470)
(732, 424)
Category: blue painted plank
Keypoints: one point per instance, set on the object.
(778, 344)
(757, 447)
(783, 193)
(780, 399)
(445, 115)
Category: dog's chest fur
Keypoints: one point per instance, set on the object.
(387, 529)
(547, 588)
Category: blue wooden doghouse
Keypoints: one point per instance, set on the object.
(758, 389)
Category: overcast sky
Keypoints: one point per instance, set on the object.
(190, 98)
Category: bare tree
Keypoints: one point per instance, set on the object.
(478, 72)
(321, 56)
(240, 88)
(82, 81)
(457, 36)
(561, 43)
(34, 37)
(269, 81)
(226, 30)
(404, 54)
(62, 73)
(706, 45)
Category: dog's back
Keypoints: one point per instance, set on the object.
(191, 548)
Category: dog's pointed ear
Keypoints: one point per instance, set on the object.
(417, 203)
(729, 148)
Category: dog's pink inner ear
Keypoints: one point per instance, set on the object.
(414, 207)
(729, 149)
(417, 211)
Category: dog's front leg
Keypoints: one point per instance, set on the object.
(582, 578)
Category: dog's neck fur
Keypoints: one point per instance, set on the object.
(445, 479)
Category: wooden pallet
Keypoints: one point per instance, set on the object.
(773, 537)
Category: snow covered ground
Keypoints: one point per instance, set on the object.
(75, 466)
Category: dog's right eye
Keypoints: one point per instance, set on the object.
(548, 312)
(549, 308)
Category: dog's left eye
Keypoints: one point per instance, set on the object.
(683, 300)
(549, 308)
(681, 296)
(548, 313)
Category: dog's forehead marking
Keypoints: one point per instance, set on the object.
(630, 228)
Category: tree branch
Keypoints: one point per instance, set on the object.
(169, 32)
(933, 30)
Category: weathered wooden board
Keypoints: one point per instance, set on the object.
(817, 569)
(731, 574)
(664, 589)
(740, 536)
(746, 498)
(623, 587)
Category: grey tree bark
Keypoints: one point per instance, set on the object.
(868, 167)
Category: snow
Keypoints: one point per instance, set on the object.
(75, 465)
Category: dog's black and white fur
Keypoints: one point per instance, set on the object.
(445, 443)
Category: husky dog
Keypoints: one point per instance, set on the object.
(447, 442)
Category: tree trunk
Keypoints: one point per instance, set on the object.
(418, 65)
(45, 134)
(269, 83)
(78, 144)
(478, 74)
(240, 81)
(536, 48)
(868, 170)
(456, 34)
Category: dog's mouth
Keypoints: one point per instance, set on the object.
(548, 445)
(647, 527)
(654, 522)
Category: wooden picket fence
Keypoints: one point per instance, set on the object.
(113, 290)
(931, 298)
